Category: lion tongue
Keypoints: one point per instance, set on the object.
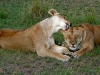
(67, 27)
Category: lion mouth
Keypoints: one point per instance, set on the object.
(67, 27)
(72, 48)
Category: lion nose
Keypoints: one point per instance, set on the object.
(73, 45)
(70, 24)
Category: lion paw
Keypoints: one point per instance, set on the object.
(75, 55)
(65, 58)
(66, 53)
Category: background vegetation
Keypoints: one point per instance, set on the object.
(21, 14)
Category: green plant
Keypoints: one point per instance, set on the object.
(90, 18)
(38, 10)
(3, 14)
(34, 12)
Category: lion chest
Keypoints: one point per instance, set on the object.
(49, 42)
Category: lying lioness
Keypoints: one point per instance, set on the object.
(38, 37)
(81, 39)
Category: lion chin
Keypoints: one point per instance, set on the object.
(38, 38)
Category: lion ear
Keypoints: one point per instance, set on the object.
(63, 32)
(53, 12)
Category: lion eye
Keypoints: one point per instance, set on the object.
(63, 17)
(81, 26)
(77, 35)
(69, 37)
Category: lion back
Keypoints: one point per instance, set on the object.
(7, 32)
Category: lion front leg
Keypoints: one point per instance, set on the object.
(79, 53)
(44, 52)
(60, 49)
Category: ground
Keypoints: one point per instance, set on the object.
(26, 63)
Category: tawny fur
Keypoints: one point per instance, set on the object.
(90, 36)
(37, 38)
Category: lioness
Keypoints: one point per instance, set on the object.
(38, 37)
(81, 39)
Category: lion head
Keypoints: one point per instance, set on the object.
(59, 21)
(73, 37)
(78, 35)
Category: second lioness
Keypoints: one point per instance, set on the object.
(81, 38)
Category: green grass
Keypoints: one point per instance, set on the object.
(21, 14)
